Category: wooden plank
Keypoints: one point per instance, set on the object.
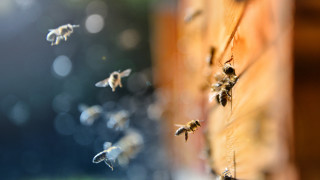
(258, 35)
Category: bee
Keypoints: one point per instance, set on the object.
(131, 144)
(119, 120)
(89, 114)
(108, 155)
(225, 82)
(211, 56)
(191, 15)
(226, 175)
(60, 33)
(114, 80)
(189, 127)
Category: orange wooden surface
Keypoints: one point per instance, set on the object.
(256, 135)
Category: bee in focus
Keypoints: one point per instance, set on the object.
(190, 15)
(114, 80)
(191, 126)
(60, 33)
(89, 114)
(221, 90)
(119, 120)
(108, 155)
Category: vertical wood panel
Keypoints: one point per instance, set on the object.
(256, 133)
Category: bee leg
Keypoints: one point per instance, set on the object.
(120, 84)
(186, 135)
(113, 89)
(108, 163)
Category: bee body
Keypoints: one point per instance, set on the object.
(119, 120)
(114, 79)
(89, 114)
(224, 85)
(190, 127)
(180, 131)
(60, 33)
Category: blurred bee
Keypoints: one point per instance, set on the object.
(131, 144)
(189, 127)
(108, 155)
(190, 15)
(114, 80)
(89, 114)
(211, 56)
(60, 33)
(119, 120)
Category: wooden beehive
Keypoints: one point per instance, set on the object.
(252, 135)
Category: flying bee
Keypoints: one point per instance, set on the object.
(131, 144)
(119, 120)
(114, 80)
(191, 126)
(108, 155)
(190, 15)
(89, 114)
(60, 33)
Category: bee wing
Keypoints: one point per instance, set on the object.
(179, 125)
(51, 36)
(113, 153)
(106, 145)
(103, 83)
(99, 157)
(75, 25)
(125, 73)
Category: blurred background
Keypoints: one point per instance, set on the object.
(42, 86)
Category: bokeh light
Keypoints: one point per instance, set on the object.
(94, 23)
(65, 124)
(97, 7)
(62, 66)
(129, 39)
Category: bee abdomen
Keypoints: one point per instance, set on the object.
(223, 98)
(180, 131)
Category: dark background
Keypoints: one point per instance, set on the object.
(33, 98)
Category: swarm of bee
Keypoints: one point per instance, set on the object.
(61, 33)
(118, 120)
(114, 80)
(191, 126)
(108, 155)
(225, 82)
(89, 114)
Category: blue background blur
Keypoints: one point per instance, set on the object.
(36, 96)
